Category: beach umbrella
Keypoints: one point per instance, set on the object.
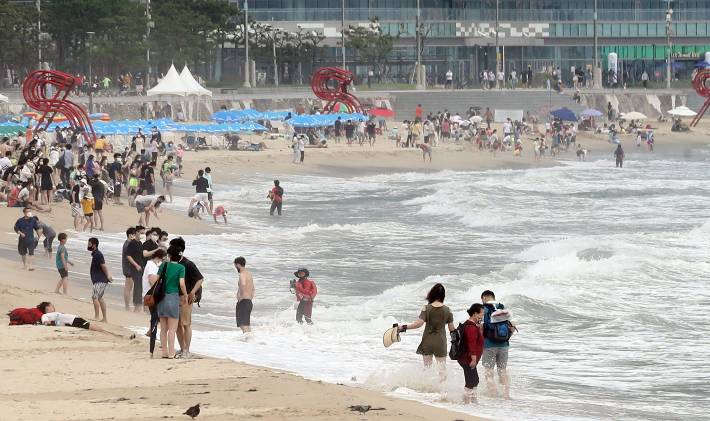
(382, 112)
(273, 115)
(703, 64)
(304, 121)
(254, 127)
(591, 113)
(634, 115)
(10, 128)
(682, 112)
(565, 114)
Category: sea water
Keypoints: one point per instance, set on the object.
(605, 271)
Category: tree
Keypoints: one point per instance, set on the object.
(371, 46)
(19, 37)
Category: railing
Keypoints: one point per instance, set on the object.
(474, 15)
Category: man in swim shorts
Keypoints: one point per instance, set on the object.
(245, 295)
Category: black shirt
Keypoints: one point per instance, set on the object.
(371, 128)
(192, 274)
(149, 245)
(98, 190)
(349, 129)
(135, 250)
(75, 193)
(201, 184)
(46, 172)
(337, 127)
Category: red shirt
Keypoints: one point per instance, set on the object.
(305, 288)
(418, 112)
(474, 344)
(14, 193)
(278, 192)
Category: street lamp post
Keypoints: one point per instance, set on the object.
(246, 45)
(669, 32)
(420, 85)
(146, 80)
(342, 30)
(91, 76)
(498, 68)
(596, 78)
(39, 33)
(273, 43)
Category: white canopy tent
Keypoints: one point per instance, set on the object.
(187, 78)
(3, 98)
(198, 90)
(171, 86)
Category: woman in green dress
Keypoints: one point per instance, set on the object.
(169, 306)
(434, 316)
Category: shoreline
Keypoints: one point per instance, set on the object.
(111, 357)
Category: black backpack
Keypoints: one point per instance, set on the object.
(458, 342)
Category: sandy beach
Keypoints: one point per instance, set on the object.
(63, 373)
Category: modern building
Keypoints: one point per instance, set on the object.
(461, 34)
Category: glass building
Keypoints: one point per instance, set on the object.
(460, 34)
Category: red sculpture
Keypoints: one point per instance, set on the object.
(331, 84)
(34, 90)
(701, 87)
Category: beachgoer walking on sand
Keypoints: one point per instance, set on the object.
(426, 149)
(294, 145)
(126, 266)
(302, 148)
(436, 316)
(193, 287)
(276, 196)
(495, 354)
(169, 306)
(245, 295)
(99, 277)
(306, 292)
(473, 337)
(619, 154)
(62, 264)
(488, 116)
(25, 227)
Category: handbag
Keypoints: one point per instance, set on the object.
(156, 293)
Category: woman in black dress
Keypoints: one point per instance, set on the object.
(46, 173)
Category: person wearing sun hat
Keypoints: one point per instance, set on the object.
(305, 293)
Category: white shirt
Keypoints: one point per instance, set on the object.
(5, 163)
(449, 75)
(65, 319)
(507, 127)
(501, 76)
(301, 145)
(644, 76)
(150, 269)
(53, 157)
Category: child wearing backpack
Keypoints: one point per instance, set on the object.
(497, 330)
(473, 340)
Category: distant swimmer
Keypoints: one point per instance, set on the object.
(245, 295)
(306, 292)
(276, 196)
(219, 211)
(619, 154)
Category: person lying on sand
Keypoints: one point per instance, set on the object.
(50, 317)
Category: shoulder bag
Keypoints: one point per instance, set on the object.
(156, 293)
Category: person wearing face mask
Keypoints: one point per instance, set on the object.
(193, 288)
(99, 277)
(134, 256)
(245, 295)
(115, 174)
(25, 227)
(126, 267)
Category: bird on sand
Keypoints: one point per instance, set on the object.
(365, 408)
(193, 411)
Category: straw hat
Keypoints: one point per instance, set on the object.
(391, 336)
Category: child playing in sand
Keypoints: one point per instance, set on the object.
(62, 261)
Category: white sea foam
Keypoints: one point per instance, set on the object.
(604, 271)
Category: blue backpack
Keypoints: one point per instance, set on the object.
(496, 324)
